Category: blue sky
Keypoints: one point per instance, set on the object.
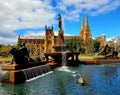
(28, 17)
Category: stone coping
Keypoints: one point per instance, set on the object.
(20, 66)
(107, 60)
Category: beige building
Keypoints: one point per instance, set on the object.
(38, 45)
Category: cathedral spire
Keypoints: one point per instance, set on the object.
(82, 28)
(87, 26)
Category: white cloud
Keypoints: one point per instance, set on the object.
(40, 33)
(73, 8)
(18, 14)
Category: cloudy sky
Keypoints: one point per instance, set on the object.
(28, 17)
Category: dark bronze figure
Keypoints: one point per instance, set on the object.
(24, 50)
(59, 21)
(19, 58)
(108, 51)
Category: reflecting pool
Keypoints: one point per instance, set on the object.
(101, 80)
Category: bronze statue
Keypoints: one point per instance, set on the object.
(21, 56)
(18, 57)
(24, 50)
(59, 21)
(108, 51)
(104, 50)
(60, 40)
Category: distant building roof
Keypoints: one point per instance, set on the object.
(71, 37)
(32, 37)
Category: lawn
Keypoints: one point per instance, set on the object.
(5, 58)
(80, 56)
(87, 56)
(92, 56)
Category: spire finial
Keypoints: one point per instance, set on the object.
(87, 21)
(45, 26)
(52, 26)
(82, 26)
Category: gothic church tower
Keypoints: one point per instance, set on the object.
(86, 36)
(49, 39)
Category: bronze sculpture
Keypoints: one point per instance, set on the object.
(60, 40)
(59, 21)
(21, 56)
(108, 51)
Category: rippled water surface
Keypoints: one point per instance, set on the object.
(101, 80)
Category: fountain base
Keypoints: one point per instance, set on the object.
(22, 73)
(101, 60)
(57, 57)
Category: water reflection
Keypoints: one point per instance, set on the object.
(101, 80)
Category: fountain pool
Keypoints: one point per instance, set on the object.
(101, 80)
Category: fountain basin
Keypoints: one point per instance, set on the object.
(19, 66)
(22, 73)
(58, 56)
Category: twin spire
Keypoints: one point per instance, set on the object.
(85, 25)
(85, 30)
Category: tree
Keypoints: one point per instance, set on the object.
(4, 50)
(96, 45)
(74, 44)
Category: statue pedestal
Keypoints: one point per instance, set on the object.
(60, 40)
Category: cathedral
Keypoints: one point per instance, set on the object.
(40, 44)
(86, 36)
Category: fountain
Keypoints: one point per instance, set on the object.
(18, 74)
(23, 68)
(60, 54)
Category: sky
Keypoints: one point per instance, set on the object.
(29, 17)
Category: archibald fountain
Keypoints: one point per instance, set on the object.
(23, 68)
(60, 54)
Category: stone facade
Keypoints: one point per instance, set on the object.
(86, 36)
(49, 40)
(35, 45)
(40, 44)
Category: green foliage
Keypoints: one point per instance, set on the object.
(96, 45)
(4, 50)
(74, 44)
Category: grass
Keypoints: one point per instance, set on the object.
(88, 56)
(91, 56)
(80, 57)
(5, 58)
